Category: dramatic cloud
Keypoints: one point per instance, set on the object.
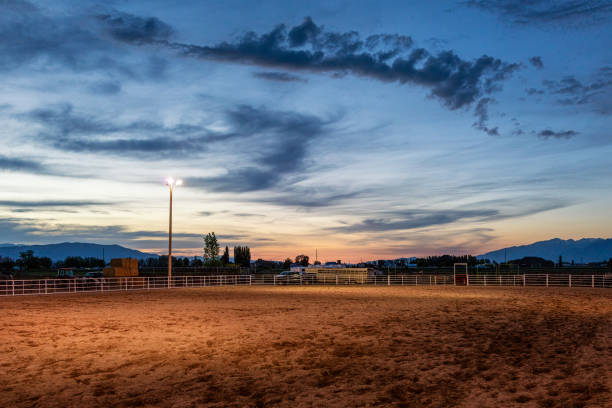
(278, 76)
(285, 138)
(568, 12)
(549, 134)
(384, 57)
(536, 62)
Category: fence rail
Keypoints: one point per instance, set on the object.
(53, 286)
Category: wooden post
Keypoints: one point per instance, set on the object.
(570, 280)
(592, 281)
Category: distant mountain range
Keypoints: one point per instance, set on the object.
(60, 251)
(580, 251)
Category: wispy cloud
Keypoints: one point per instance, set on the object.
(17, 164)
(572, 13)
(551, 134)
(284, 140)
(278, 76)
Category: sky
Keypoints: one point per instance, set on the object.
(363, 129)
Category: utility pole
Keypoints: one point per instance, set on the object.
(171, 183)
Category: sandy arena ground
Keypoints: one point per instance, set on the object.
(309, 347)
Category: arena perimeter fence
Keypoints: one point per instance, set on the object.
(53, 286)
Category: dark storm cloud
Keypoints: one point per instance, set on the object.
(17, 164)
(278, 76)
(384, 57)
(549, 134)
(568, 12)
(288, 136)
(536, 62)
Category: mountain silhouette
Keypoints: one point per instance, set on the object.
(580, 251)
(62, 250)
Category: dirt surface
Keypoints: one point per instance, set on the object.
(309, 347)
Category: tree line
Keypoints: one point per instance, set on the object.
(27, 261)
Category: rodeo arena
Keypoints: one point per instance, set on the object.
(123, 275)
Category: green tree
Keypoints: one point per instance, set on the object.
(242, 256)
(302, 260)
(26, 260)
(225, 257)
(211, 248)
(287, 263)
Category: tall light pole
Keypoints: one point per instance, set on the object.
(171, 183)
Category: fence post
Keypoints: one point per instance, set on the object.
(546, 280)
(336, 279)
(570, 280)
(300, 280)
(45, 286)
(388, 279)
(13, 286)
(485, 280)
(467, 279)
(274, 280)
(592, 281)
(250, 280)
(524, 280)
(148, 284)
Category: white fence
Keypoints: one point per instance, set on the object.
(51, 286)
